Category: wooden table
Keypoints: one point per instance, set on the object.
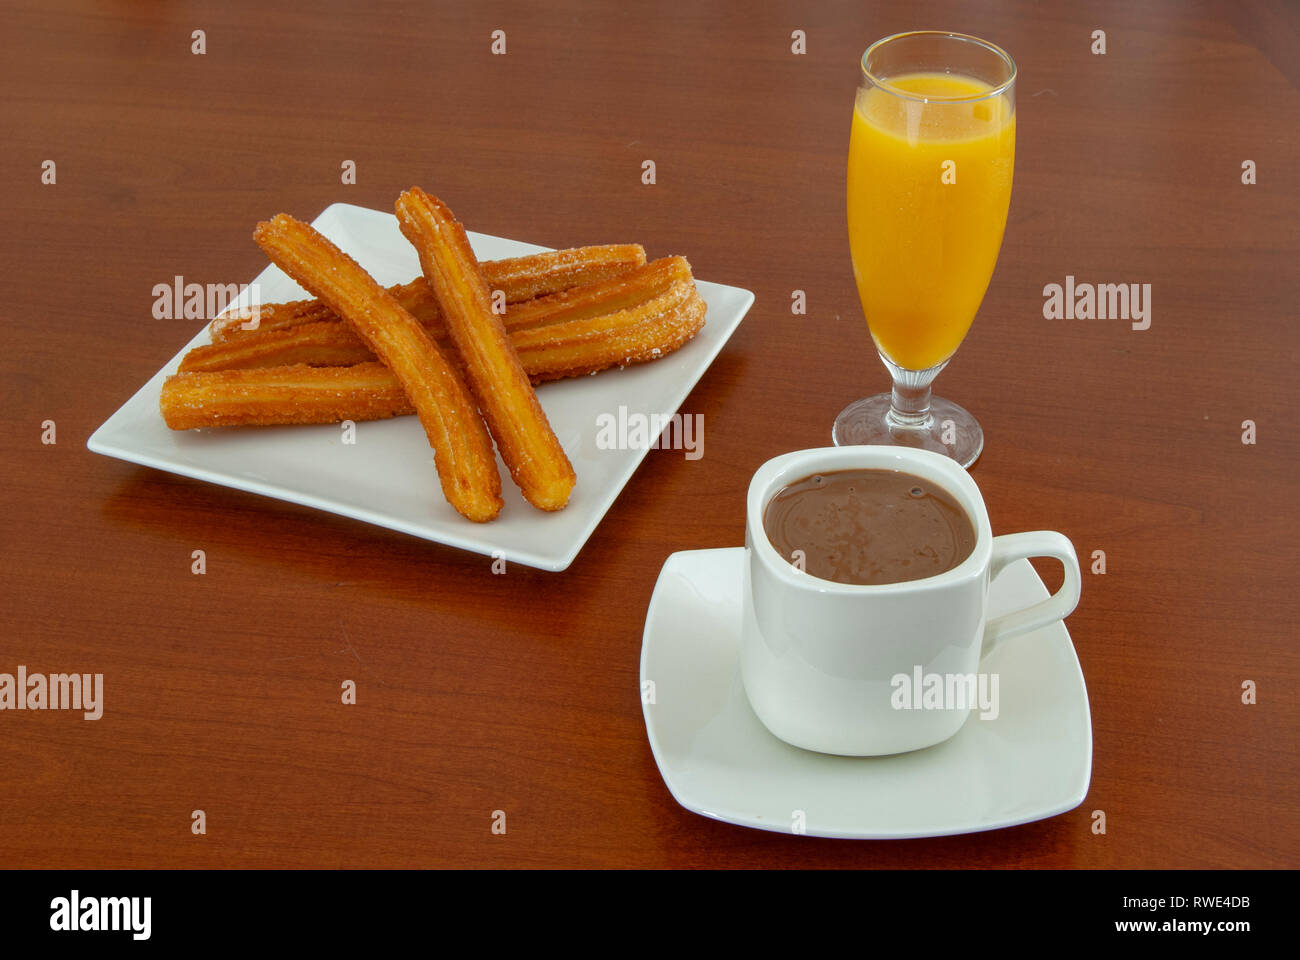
(519, 693)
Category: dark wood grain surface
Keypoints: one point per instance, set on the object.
(519, 692)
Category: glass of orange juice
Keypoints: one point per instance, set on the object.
(931, 153)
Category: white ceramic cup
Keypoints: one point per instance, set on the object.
(820, 659)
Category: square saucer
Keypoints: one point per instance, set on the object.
(387, 477)
(1032, 761)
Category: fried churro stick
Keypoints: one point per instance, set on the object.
(334, 344)
(644, 332)
(519, 278)
(596, 300)
(539, 274)
(524, 437)
(282, 395)
(369, 391)
(462, 448)
(327, 343)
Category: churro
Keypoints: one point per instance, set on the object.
(608, 305)
(518, 278)
(462, 448)
(645, 332)
(282, 395)
(326, 343)
(496, 377)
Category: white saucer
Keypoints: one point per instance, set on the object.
(1034, 760)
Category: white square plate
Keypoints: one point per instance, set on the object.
(387, 477)
(1033, 760)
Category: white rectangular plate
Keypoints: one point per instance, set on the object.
(387, 477)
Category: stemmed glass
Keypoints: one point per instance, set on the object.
(931, 155)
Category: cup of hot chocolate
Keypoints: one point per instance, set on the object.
(864, 564)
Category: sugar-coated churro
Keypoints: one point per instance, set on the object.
(462, 448)
(646, 332)
(326, 343)
(505, 396)
(518, 278)
(608, 305)
(540, 274)
(600, 299)
(282, 395)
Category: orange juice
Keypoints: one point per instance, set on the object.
(928, 189)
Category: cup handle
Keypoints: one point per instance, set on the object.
(1039, 543)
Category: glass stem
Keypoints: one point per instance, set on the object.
(909, 406)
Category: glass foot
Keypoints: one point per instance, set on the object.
(948, 429)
